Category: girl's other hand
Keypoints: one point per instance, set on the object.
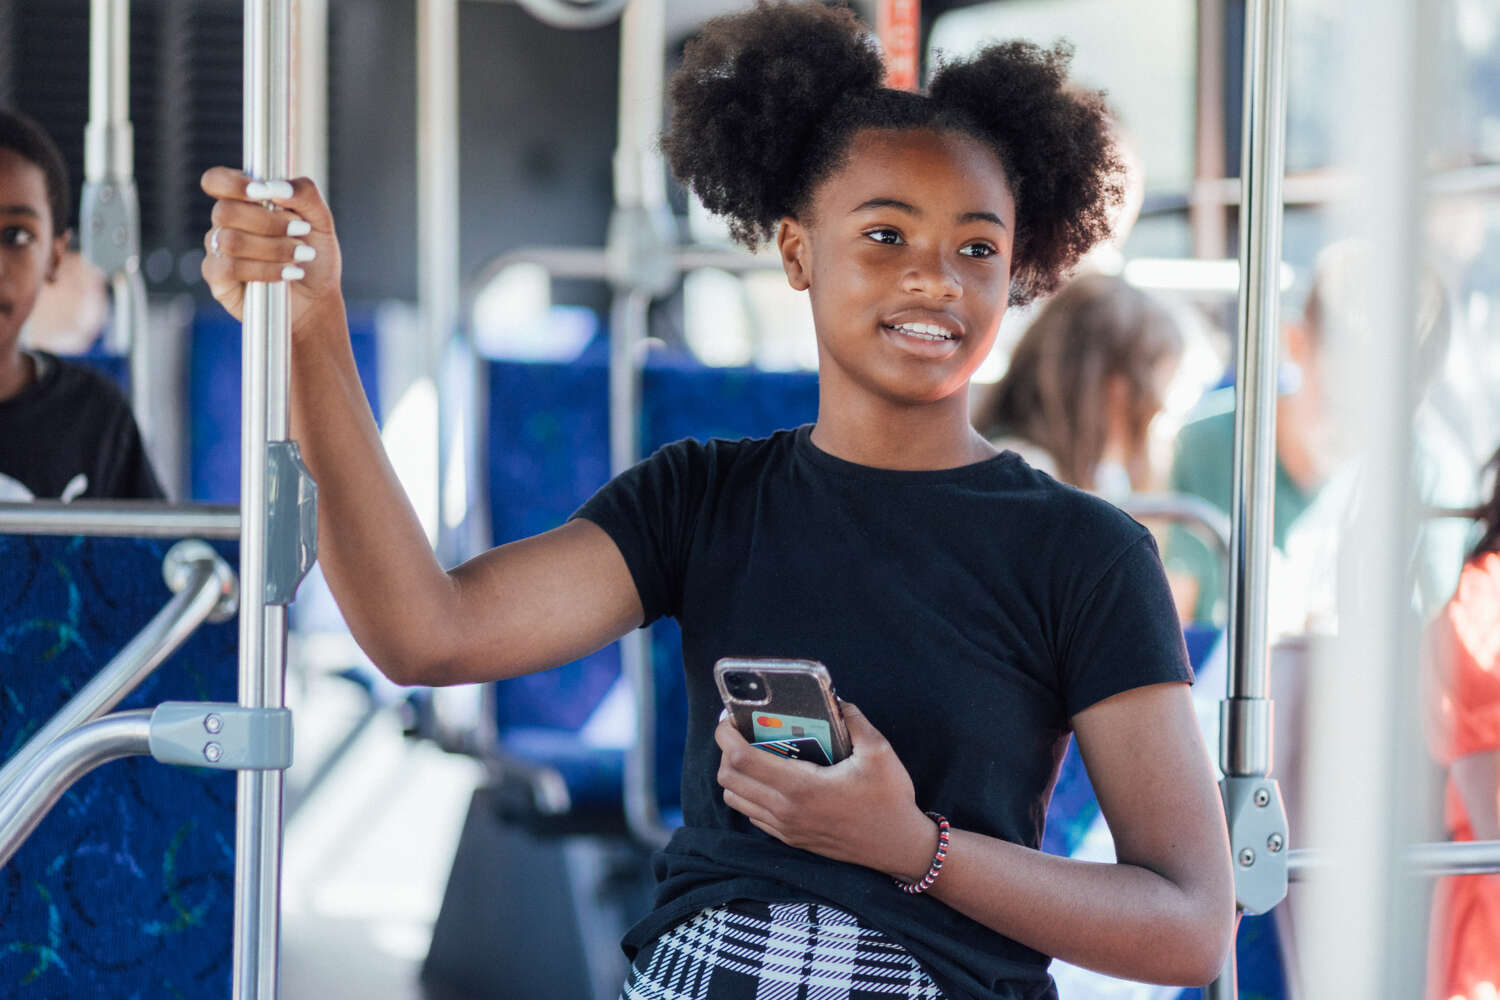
(862, 810)
(271, 231)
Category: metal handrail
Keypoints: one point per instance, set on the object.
(119, 518)
(1183, 508)
(205, 589)
(1469, 857)
(62, 763)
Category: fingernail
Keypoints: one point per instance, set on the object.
(724, 715)
(263, 190)
(292, 273)
(299, 227)
(304, 253)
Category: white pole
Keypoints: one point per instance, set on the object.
(1363, 934)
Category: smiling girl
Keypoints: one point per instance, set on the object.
(976, 611)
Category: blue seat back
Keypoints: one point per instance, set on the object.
(126, 889)
(549, 452)
(214, 398)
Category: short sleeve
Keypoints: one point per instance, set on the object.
(1125, 633)
(650, 511)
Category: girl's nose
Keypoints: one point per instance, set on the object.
(932, 277)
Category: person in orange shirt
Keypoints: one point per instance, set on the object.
(1464, 950)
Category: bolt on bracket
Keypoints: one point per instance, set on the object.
(223, 736)
(1257, 839)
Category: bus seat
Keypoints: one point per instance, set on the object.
(214, 397)
(126, 889)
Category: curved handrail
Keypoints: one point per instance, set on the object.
(1184, 508)
(122, 518)
(205, 590)
(63, 762)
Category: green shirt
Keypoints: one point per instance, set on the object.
(1203, 466)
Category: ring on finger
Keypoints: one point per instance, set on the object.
(213, 242)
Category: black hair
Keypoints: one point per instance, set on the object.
(1488, 515)
(766, 102)
(30, 142)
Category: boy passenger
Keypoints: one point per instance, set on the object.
(66, 432)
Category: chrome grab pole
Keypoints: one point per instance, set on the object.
(119, 518)
(110, 227)
(60, 764)
(1245, 715)
(1245, 749)
(265, 353)
(438, 280)
(204, 588)
(640, 259)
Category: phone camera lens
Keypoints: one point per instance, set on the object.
(745, 686)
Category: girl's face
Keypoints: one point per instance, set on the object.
(29, 250)
(905, 252)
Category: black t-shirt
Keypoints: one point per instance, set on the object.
(968, 612)
(70, 435)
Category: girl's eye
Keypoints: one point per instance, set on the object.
(887, 236)
(979, 250)
(16, 236)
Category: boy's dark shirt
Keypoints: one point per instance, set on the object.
(73, 421)
(969, 612)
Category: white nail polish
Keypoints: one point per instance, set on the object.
(292, 273)
(263, 190)
(299, 227)
(304, 253)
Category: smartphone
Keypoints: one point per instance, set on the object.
(787, 707)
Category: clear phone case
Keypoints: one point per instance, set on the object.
(786, 687)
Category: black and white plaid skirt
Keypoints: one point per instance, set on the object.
(776, 951)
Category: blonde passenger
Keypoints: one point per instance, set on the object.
(1085, 383)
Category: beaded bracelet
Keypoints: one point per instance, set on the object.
(936, 867)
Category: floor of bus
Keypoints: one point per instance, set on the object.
(366, 858)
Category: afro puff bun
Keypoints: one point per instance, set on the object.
(767, 100)
(752, 92)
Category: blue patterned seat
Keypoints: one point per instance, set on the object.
(126, 889)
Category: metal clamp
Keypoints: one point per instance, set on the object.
(291, 521)
(226, 737)
(177, 570)
(111, 230)
(1257, 838)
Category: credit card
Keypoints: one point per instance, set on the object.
(803, 748)
(768, 726)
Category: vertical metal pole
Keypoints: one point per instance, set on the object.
(110, 214)
(1245, 715)
(310, 92)
(266, 352)
(641, 239)
(438, 280)
(1365, 925)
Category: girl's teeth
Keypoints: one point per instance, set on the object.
(924, 331)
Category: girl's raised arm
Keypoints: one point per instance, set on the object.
(523, 607)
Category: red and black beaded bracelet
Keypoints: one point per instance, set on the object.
(925, 882)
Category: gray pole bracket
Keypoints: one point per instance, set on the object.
(291, 521)
(111, 225)
(225, 737)
(1257, 840)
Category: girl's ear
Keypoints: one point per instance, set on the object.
(791, 241)
(59, 249)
